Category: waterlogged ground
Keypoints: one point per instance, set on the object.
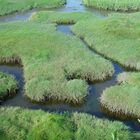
(91, 104)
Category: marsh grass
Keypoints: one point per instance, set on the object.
(48, 58)
(8, 86)
(10, 6)
(116, 5)
(89, 127)
(60, 17)
(124, 98)
(116, 37)
(17, 123)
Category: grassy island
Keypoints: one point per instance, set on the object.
(8, 85)
(55, 66)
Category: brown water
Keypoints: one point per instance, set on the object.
(91, 105)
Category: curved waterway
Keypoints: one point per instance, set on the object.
(91, 105)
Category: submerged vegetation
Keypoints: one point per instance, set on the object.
(53, 63)
(117, 5)
(125, 97)
(8, 85)
(116, 37)
(17, 124)
(10, 6)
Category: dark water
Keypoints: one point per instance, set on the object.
(91, 105)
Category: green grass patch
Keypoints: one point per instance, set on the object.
(8, 85)
(125, 97)
(49, 59)
(10, 6)
(20, 124)
(60, 17)
(117, 5)
(89, 128)
(116, 37)
(17, 124)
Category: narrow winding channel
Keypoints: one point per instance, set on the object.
(91, 105)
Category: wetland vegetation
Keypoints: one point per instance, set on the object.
(117, 5)
(10, 6)
(68, 80)
(38, 125)
(124, 98)
(63, 67)
(8, 85)
(116, 37)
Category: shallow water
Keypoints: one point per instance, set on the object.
(91, 105)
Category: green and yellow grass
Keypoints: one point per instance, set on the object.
(117, 5)
(8, 85)
(55, 66)
(10, 6)
(23, 124)
(125, 97)
(116, 37)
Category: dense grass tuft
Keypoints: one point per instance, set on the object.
(17, 123)
(117, 5)
(8, 85)
(89, 127)
(116, 37)
(53, 127)
(60, 17)
(10, 6)
(124, 98)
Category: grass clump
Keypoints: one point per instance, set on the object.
(124, 98)
(117, 5)
(116, 37)
(53, 127)
(8, 85)
(21, 124)
(89, 128)
(10, 6)
(60, 17)
(17, 123)
(53, 63)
